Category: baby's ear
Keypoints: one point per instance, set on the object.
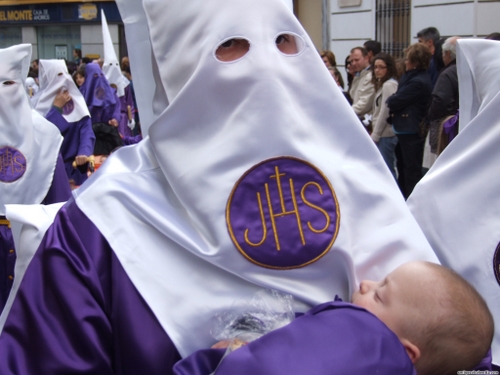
(412, 350)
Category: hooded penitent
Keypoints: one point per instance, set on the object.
(54, 78)
(96, 89)
(111, 66)
(257, 174)
(29, 144)
(457, 202)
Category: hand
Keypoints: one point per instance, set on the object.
(113, 123)
(221, 344)
(131, 124)
(62, 98)
(81, 159)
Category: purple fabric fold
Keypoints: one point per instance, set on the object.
(450, 127)
(332, 338)
(77, 311)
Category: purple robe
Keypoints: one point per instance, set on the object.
(77, 311)
(79, 139)
(333, 338)
(125, 101)
(59, 191)
(101, 98)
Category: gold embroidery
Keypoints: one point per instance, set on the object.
(302, 195)
(278, 176)
(16, 160)
(264, 226)
(5, 222)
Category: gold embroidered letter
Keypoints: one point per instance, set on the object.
(264, 227)
(302, 194)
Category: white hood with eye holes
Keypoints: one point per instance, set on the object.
(268, 132)
(29, 144)
(111, 66)
(54, 77)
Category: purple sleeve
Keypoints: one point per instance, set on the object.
(77, 312)
(87, 137)
(333, 338)
(132, 139)
(59, 191)
(55, 117)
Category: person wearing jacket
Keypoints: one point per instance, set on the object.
(408, 108)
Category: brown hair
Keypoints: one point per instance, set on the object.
(391, 71)
(330, 56)
(419, 55)
(461, 328)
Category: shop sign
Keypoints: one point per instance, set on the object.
(87, 12)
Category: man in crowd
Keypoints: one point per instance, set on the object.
(431, 38)
(362, 89)
(373, 48)
(445, 94)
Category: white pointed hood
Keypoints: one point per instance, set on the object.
(29, 144)
(111, 66)
(258, 174)
(457, 203)
(54, 77)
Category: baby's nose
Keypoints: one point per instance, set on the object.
(365, 286)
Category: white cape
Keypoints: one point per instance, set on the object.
(457, 203)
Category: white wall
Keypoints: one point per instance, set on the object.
(92, 43)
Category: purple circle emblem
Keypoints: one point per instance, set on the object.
(68, 107)
(12, 164)
(283, 214)
(496, 263)
(99, 93)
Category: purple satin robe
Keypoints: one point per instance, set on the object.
(333, 338)
(125, 101)
(77, 311)
(79, 139)
(59, 191)
(101, 98)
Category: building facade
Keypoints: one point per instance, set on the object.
(340, 25)
(58, 27)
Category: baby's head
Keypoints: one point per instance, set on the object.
(440, 319)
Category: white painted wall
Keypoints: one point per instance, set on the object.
(91, 36)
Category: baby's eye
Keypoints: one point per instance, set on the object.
(8, 83)
(232, 49)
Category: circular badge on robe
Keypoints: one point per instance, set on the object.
(99, 93)
(496, 264)
(68, 107)
(12, 164)
(283, 214)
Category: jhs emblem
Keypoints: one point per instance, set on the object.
(283, 214)
(12, 164)
(68, 107)
(496, 263)
(99, 93)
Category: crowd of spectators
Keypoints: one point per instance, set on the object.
(404, 102)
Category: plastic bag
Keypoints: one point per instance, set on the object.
(250, 319)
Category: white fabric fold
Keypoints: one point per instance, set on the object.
(165, 199)
(29, 224)
(54, 77)
(457, 202)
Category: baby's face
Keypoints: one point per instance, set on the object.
(397, 299)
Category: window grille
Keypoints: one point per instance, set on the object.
(393, 26)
